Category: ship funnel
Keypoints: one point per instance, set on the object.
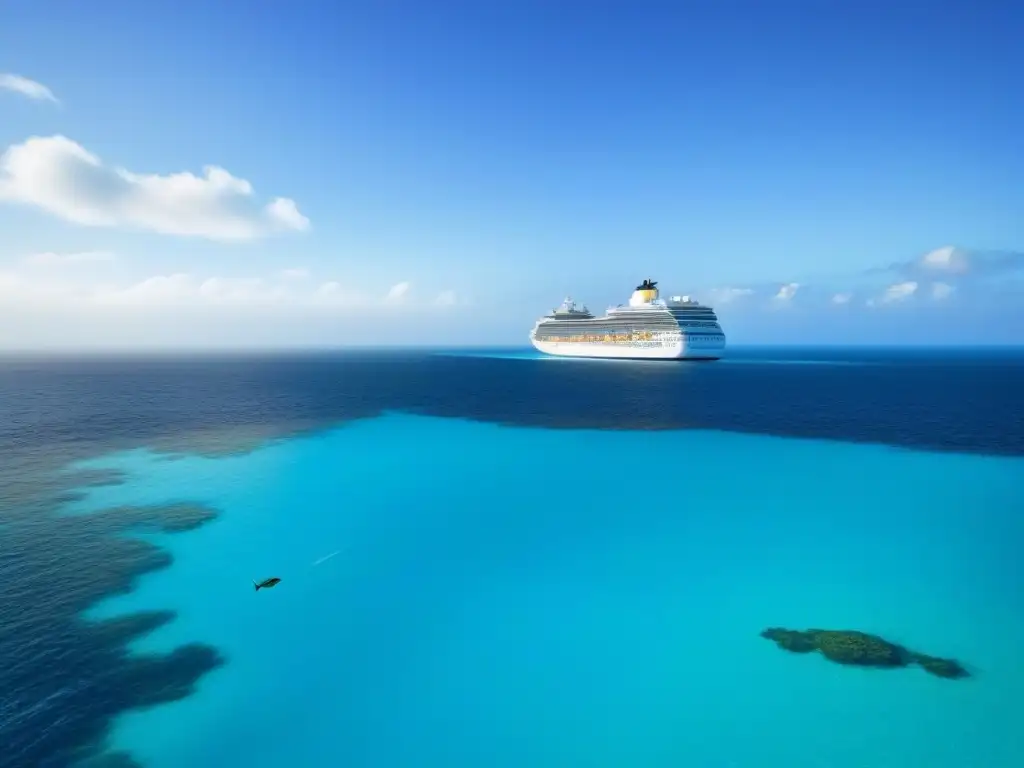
(645, 294)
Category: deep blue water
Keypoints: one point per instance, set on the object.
(489, 558)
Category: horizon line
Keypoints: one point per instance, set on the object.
(167, 350)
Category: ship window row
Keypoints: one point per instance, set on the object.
(634, 311)
(609, 327)
(618, 336)
(546, 335)
(626, 322)
(613, 331)
(626, 319)
(599, 338)
(660, 329)
(637, 317)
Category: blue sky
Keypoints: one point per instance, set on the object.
(456, 168)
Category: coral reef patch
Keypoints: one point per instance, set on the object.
(861, 649)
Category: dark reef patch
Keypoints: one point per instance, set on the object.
(109, 760)
(861, 649)
(62, 677)
(168, 518)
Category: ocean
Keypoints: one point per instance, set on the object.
(491, 559)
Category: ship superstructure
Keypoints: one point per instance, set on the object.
(648, 327)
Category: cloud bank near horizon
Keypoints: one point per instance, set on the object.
(47, 281)
(939, 277)
(71, 301)
(949, 295)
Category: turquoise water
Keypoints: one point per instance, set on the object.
(510, 597)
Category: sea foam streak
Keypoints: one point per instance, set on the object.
(325, 558)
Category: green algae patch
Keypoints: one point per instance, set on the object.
(861, 649)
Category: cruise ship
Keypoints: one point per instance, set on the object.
(647, 328)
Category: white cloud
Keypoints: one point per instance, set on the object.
(934, 276)
(49, 290)
(446, 298)
(338, 295)
(51, 259)
(242, 290)
(899, 292)
(286, 213)
(26, 87)
(329, 290)
(17, 290)
(398, 292)
(726, 295)
(946, 259)
(787, 291)
(294, 274)
(63, 178)
(157, 290)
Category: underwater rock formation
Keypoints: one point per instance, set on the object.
(860, 649)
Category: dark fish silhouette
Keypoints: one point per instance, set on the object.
(273, 581)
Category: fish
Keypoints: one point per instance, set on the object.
(273, 581)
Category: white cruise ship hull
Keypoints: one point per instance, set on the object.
(647, 329)
(678, 350)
